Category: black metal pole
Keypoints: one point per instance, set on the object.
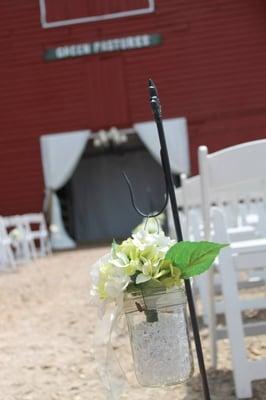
(156, 108)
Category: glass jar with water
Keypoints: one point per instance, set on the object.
(159, 336)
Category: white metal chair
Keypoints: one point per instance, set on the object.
(36, 234)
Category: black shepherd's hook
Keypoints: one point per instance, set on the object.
(156, 108)
(136, 208)
(154, 100)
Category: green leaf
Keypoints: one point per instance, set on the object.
(193, 258)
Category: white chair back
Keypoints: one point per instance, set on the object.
(238, 171)
(235, 165)
(170, 220)
(244, 370)
(6, 253)
(37, 234)
(191, 191)
(17, 235)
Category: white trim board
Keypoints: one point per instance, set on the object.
(96, 18)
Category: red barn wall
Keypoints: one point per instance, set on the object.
(210, 68)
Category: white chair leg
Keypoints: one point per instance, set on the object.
(10, 257)
(212, 317)
(233, 313)
(235, 326)
(48, 246)
(202, 285)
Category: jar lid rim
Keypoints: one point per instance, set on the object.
(154, 291)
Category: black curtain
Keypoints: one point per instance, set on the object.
(101, 207)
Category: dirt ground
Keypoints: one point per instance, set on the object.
(46, 339)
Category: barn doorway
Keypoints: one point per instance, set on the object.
(96, 203)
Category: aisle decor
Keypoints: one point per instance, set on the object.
(15, 236)
(144, 277)
(111, 138)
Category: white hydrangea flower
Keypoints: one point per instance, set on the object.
(15, 234)
(96, 142)
(108, 279)
(103, 137)
(53, 228)
(114, 135)
(143, 239)
(137, 259)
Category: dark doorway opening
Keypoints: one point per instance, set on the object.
(96, 203)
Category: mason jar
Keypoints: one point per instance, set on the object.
(159, 336)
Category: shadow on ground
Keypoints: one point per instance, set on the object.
(221, 385)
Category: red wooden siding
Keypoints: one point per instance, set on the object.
(103, 79)
(210, 68)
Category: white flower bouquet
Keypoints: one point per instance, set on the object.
(148, 258)
(144, 276)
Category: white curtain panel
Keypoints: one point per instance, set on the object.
(176, 135)
(60, 153)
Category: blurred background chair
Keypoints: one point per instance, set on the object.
(17, 235)
(36, 234)
(6, 254)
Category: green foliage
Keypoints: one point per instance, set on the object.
(193, 258)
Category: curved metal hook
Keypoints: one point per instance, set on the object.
(157, 223)
(133, 201)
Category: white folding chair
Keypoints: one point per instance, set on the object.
(192, 205)
(227, 200)
(6, 253)
(241, 166)
(169, 214)
(17, 235)
(238, 171)
(201, 282)
(244, 370)
(36, 234)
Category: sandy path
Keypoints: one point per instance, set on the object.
(46, 334)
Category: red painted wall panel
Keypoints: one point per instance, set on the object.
(210, 68)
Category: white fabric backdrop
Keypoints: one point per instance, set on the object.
(60, 155)
(176, 135)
